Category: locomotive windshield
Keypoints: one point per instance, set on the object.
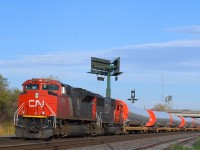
(32, 87)
(50, 87)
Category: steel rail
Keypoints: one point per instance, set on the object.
(156, 144)
(82, 142)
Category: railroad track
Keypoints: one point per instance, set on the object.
(59, 144)
(6, 141)
(164, 145)
(10, 141)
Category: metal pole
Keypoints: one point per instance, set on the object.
(108, 90)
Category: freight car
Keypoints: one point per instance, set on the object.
(48, 108)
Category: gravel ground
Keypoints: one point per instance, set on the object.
(137, 143)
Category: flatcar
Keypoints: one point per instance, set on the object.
(141, 120)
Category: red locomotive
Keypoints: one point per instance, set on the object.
(48, 108)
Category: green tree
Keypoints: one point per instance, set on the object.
(3, 83)
(160, 107)
(12, 103)
(3, 97)
(3, 105)
(51, 77)
(8, 100)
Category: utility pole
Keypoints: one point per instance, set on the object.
(162, 90)
(102, 68)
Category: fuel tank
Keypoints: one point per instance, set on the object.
(75, 130)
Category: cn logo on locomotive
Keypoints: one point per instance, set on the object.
(35, 103)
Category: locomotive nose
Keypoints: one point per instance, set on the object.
(35, 103)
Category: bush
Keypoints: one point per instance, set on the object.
(7, 129)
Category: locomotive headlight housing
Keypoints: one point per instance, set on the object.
(36, 95)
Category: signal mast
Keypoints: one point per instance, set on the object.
(132, 99)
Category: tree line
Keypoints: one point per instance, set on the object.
(8, 100)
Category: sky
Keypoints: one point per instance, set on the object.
(158, 43)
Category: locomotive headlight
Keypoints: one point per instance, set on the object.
(43, 112)
(36, 95)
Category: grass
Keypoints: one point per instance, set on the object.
(7, 129)
(178, 147)
(196, 146)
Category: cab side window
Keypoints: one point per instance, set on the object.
(50, 87)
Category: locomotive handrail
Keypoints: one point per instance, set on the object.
(54, 115)
(16, 114)
(98, 120)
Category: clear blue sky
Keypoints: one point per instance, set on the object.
(153, 38)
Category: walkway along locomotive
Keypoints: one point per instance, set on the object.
(48, 108)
